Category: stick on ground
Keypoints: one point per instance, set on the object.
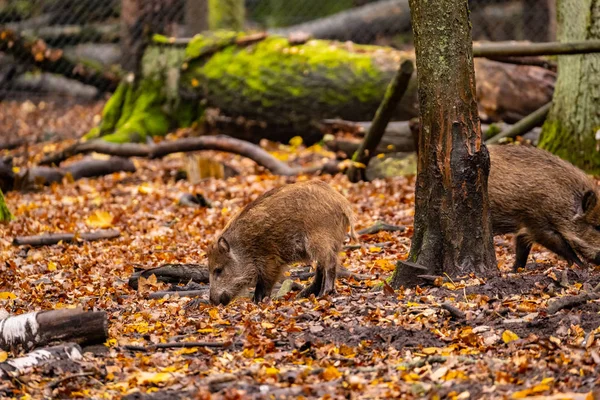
(54, 238)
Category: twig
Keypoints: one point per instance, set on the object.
(176, 345)
(58, 381)
(570, 301)
(180, 293)
(54, 238)
(454, 311)
(381, 226)
(534, 119)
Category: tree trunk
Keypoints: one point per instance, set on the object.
(196, 16)
(537, 20)
(572, 124)
(452, 228)
(226, 14)
(276, 90)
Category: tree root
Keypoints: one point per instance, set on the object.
(55, 238)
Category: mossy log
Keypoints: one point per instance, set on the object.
(278, 90)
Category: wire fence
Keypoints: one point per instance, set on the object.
(89, 33)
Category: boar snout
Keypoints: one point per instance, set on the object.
(220, 298)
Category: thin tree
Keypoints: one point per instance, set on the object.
(571, 129)
(452, 227)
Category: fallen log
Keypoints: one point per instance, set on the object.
(12, 144)
(55, 238)
(308, 83)
(360, 24)
(31, 178)
(45, 327)
(22, 365)
(36, 52)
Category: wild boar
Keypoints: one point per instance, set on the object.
(543, 199)
(300, 222)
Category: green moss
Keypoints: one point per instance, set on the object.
(114, 107)
(579, 148)
(203, 44)
(5, 214)
(272, 64)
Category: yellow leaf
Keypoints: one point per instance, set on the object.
(7, 296)
(51, 266)
(144, 188)
(296, 141)
(374, 249)
(195, 82)
(100, 219)
(248, 352)
(214, 313)
(110, 343)
(3, 356)
(430, 350)
(509, 336)
(267, 325)
(16, 170)
(159, 377)
(271, 371)
(331, 373)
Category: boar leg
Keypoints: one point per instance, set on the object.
(316, 285)
(263, 289)
(553, 241)
(522, 249)
(329, 284)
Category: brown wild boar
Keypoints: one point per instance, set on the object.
(543, 199)
(300, 222)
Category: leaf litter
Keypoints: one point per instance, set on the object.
(359, 343)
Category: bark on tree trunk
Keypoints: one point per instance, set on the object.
(571, 126)
(452, 228)
(196, 16)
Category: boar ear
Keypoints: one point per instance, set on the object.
(223, 245)
(588, 201)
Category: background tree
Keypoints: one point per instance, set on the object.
(571, 126)
(452, 228)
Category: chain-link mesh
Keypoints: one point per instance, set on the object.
(46, 46)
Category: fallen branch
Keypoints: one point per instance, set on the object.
(55, 383)
(531, 121)
(176, 345)
(381, 226)
(570, 301)
(455, 312)
(22, 365)
(172, 273)
(12, 144)
(97, 146)
(44, 327)
(508, 49)
(218, 143)
(37, 53)
(74, 34)
(55, 238)
(392, 97)
(180, 293)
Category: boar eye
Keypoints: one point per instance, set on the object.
(218, 271)
(597, 227)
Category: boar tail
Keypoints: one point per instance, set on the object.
(350, 219)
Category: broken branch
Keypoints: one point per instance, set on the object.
(55, 238)
(508, 49)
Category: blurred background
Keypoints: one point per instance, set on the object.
(95, 32)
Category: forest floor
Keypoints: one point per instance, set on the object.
(356, 344)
